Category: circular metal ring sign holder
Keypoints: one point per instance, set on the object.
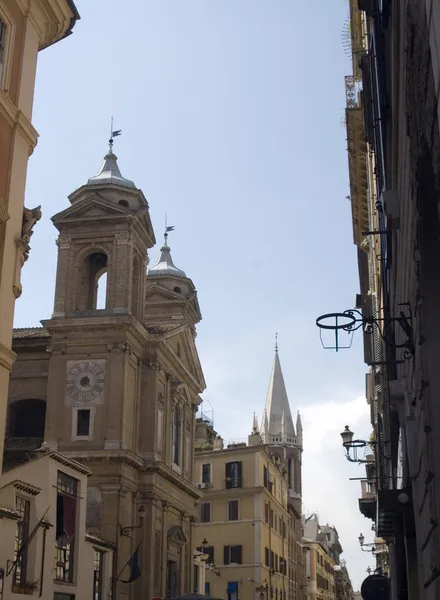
(348, 321)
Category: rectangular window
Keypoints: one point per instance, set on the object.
(159, 430)
(205, 512)
(233, 510)
(83, 422)
(266, 512)
(98, 569)
(265, 477)
(177, 435)
(234, 475)
(271, 518)
(232, 590)
(65, 527)
(232, 555)
(267, 557)
(206, 473)
(188, 455)
(23, 507)
(207, 588)
(3, 33)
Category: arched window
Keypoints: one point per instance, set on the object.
(101, 290)
(178, 349)
(91, 271)
(136, 299)
(176, 435)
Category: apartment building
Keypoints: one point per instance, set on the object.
(244, 520)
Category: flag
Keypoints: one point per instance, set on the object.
(26, 543)
(170, 228)
(116, 133)
(133, 563)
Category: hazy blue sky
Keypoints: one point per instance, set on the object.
(231, 114)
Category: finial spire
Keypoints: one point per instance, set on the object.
(113, 134)
(168, 228)
(276, 342)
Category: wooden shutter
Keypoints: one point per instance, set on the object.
(226, 555)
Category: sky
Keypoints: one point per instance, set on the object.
(232, 118)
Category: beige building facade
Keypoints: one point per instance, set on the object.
(113, 380)
(44, 548)
(250, 514)
(25, 29)
(244, 520)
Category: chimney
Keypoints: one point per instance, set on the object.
(218, 443)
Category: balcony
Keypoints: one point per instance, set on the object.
(367, 501)
(233, 482)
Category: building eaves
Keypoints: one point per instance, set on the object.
(76, 17)
(94, 539)
(29, 332)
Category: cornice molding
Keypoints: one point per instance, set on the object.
(7, 357)
(167, 473)
(17, 119)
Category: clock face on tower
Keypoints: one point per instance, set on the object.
(85, 381)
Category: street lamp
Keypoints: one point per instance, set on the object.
(126, 530)
(368, 547)
(350, 444)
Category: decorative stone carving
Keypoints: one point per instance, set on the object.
(30, 217)
(154, 365)
(123, 238)
(63, 244)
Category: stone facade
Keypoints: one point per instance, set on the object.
(25, 29)
(400, 91)
(53, 561)
(113, 389)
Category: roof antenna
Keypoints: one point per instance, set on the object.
(168, 228)
(113, 134)
(276, 342)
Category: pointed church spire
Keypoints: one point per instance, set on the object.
(277, 417)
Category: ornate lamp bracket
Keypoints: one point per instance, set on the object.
(351, 320)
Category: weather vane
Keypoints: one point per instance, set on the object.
(168, 228)
(113, 134)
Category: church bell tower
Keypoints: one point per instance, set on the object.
(124, 380)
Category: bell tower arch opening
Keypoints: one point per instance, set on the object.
(93, 286)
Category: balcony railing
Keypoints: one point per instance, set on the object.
(233, 482)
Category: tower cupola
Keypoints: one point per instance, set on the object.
(170, 295)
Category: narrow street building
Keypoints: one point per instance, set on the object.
(394, 157)
(250, 515)
(25, 29)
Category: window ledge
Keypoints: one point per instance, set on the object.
(24, 588)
